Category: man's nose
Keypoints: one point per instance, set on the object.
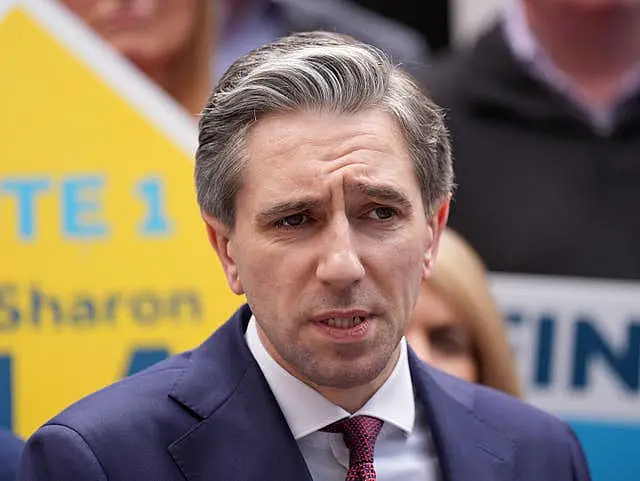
(339, 262)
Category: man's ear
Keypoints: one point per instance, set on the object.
(220, 239)
(437, 224)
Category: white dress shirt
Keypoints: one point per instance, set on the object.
(404, 450)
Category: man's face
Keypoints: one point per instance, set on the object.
(330, 243)
(145, 31)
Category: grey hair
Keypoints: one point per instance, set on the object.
(316, 71)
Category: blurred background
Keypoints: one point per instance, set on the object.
(105, 267)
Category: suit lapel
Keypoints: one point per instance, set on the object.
(467, 447)
(242, 434)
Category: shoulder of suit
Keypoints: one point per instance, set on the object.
(520, 421)
(10, 449)
(140, 397)
(501, 412)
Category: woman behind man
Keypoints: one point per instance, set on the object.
(456, 325)
(171, 41)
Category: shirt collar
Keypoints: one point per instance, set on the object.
(519, 35)
(307, 411)
(528, 50)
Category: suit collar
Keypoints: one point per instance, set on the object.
(467, 446)
(215, 368)
(242, 434)
(225, 389)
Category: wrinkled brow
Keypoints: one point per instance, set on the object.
(285, 208)
(376, 192)
(381, 193)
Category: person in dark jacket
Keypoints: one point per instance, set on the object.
(544, 111)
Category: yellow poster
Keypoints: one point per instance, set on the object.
(104, 262)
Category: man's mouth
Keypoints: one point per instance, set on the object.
(346, 325)
(343, 322)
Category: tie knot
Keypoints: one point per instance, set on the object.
(359, 434)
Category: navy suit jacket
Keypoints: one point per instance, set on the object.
(209, 415)
(10, 448)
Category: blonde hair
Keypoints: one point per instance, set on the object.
(460, 277)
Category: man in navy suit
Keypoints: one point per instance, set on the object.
(324, 177)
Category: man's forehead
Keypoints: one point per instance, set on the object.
(364, 159)
(325, 135)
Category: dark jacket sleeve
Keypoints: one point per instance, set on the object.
(58, 453)
(10, 449)
(580, 466)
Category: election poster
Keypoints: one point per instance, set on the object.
(105, 266)
(577, 345)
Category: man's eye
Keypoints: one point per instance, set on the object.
(295, 220)
(382, 213)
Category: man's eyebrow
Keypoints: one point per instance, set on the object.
(286, 208)
(381, 192)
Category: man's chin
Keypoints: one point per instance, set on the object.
(348, 375)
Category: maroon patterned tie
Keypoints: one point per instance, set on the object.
(359, 434)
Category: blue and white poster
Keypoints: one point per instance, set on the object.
(577, 344)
